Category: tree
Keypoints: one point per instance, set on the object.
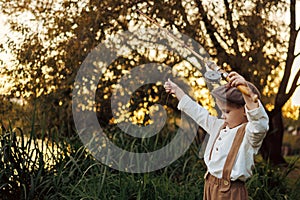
(273, 141)
(233, 32)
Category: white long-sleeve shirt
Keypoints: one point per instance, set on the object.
(256, 129)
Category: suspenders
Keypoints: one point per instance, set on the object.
(225, 182)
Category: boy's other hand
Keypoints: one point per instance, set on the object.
(172, 88)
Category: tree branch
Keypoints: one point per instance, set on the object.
(288, 95)
(211, 30)
(294, 84)
(290, 58)
(232, 33)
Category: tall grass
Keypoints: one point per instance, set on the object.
(272, 182)
(61, 168)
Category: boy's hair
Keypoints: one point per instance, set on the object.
(232, 95)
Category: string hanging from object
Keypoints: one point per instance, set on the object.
(210, 64)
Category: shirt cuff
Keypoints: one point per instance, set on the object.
(256, 113)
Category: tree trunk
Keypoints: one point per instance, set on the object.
(271, 147)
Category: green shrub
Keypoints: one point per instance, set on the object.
(272, 182)
(61, 168)
(22, 165)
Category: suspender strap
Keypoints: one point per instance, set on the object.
(232, 157)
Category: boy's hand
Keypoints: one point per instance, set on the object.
(235, 79)
(172, 88)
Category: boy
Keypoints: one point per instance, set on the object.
(234, 139)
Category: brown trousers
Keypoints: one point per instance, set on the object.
(224, 188)
(213, 190)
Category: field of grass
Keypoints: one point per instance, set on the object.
(61, 168)
(294, 175)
